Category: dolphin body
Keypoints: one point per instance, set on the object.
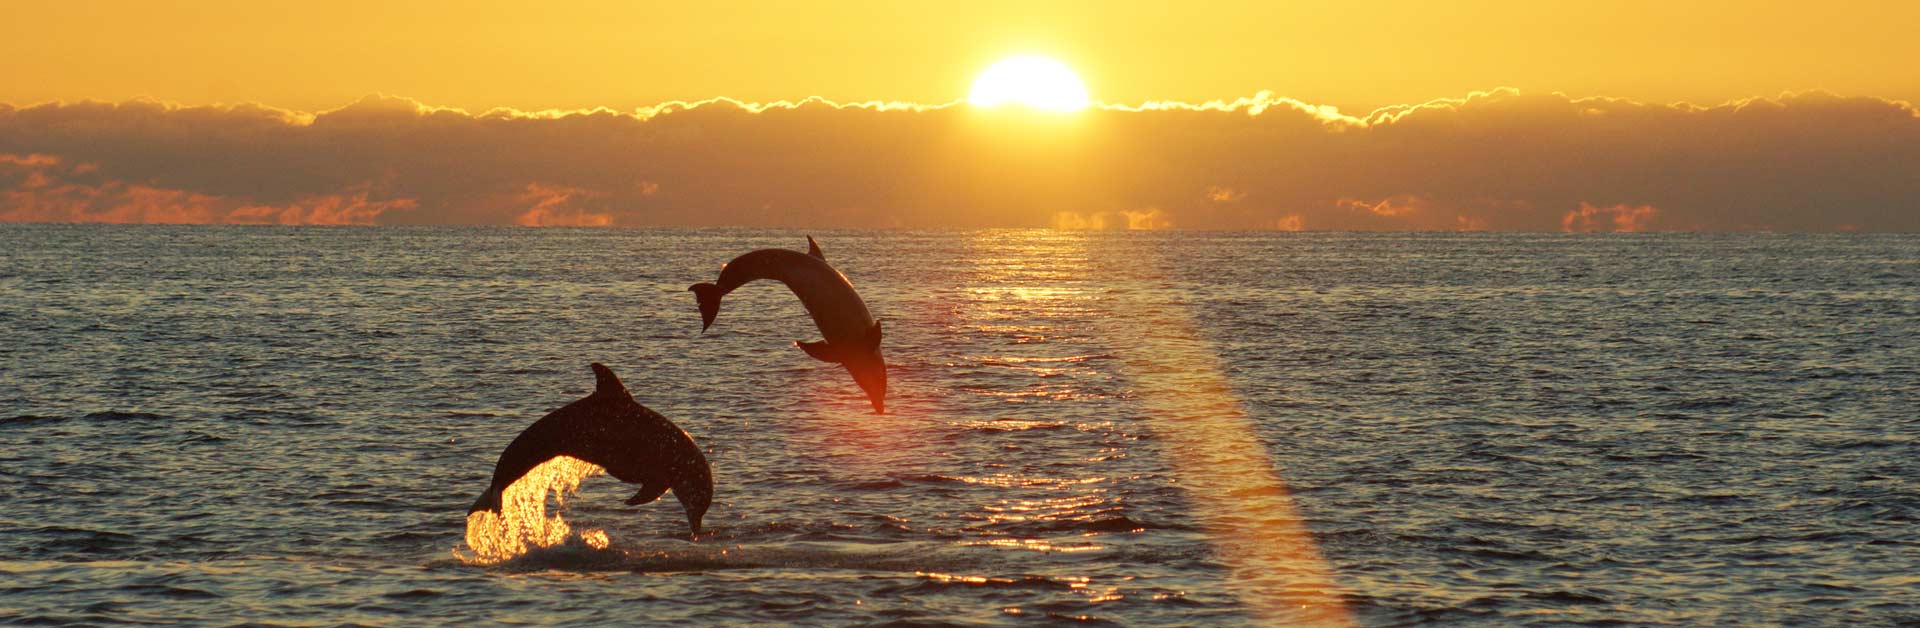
(608, 428)
(852, 336)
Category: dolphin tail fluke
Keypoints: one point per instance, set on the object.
(489, 501)
(709, 297)
(819, 350)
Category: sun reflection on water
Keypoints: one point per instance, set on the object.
(524, 522)
(1201, 426)
(1037, 545)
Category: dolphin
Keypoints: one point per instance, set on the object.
(852, 335)
(608, 428)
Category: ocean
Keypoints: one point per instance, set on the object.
(285, 426)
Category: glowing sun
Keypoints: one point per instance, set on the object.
(1033, 81)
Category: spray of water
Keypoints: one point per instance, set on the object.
(524, 522)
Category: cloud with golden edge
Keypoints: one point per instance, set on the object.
(1495, 160)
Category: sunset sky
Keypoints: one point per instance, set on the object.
(1390, 115)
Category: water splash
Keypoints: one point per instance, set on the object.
(524, 521)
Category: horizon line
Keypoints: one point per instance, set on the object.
(1254, 104)
(891, 228)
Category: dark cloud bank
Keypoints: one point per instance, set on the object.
(1492, 161)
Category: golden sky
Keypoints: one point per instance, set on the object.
(313, 56)
(1395, 115)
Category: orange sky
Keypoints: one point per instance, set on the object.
(480, 55)
(1466, 115)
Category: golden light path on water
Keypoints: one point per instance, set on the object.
(1173, 375)
(1204, 430)
(524, 521)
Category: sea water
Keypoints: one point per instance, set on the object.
(223, 425)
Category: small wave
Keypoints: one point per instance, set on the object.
(997, 480)
(1071, 359)
(30, 419)
(1089, 620)
(1874, 443)
(409, 537)
(1709, 403)
(1119, 523)
(1565, 597)
(874, 485)
(85, 541)
(931, 478)
(935, 582)
(413, 594)
(173, 592)
(202, 437)
(111, 415)
(255, 395)
(1507, 555)
(1013, 425)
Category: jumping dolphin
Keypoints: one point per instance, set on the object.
(608, 428)
(852, 335)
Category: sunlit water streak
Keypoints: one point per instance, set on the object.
(274, 425)
(1217, 457)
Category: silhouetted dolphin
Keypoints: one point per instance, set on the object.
(852, 335)
(610, 429)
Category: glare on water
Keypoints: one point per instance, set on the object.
(1219, 461)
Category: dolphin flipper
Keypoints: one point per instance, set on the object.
(820, 351)
(873, 337)
(813, 248)
(648, 492)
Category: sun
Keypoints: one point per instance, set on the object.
(1030, 80)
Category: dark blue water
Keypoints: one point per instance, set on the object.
(224, 425)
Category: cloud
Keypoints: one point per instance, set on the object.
(330, 209)
(1394, 206)
(1618, 218)
(29, 161)
(554, 206)
(1220, 194)
(1077, 221)
(1495, 160)
(1149, 219)
(46, 189)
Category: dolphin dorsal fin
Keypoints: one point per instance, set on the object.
(813, 248)
(606, 383)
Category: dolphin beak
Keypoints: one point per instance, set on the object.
(869, 371)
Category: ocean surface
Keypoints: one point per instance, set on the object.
(227, 425)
